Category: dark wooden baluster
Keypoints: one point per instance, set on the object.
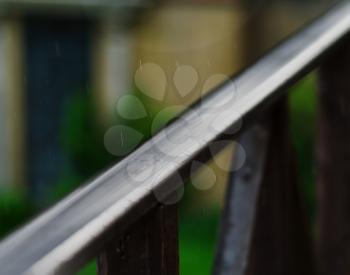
(278, 241)
(333, 163)
(240, 204)
(149, 247)
(281, 243)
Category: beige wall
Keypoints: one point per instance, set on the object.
(207, 39)
(11, 138)
(112, 52)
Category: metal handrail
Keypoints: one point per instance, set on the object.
(69, 234)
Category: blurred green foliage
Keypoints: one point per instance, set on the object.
(198, 230)
(15, 208)
(82, 137)
(89, 269)
(302, 104)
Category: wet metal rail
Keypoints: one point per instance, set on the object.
(87, 222)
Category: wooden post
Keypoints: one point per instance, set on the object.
(238, 217)
(265, 191)
(333, 163)
(280, 242)
(149, 247)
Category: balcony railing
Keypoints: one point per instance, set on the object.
(117, 217)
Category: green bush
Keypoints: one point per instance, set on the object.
(15, 208)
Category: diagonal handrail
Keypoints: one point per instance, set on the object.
(70, 233)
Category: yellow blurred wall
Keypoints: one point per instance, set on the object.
(11, 107)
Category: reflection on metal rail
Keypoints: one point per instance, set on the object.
(73, 231)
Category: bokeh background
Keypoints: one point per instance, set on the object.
(65, 65)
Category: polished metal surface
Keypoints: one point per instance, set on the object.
(69, 234)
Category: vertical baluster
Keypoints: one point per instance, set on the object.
(149, 247)
(281, 243)
(240, 204)
(278, 242)
(333, 163)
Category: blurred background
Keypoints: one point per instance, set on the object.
(72, 72)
